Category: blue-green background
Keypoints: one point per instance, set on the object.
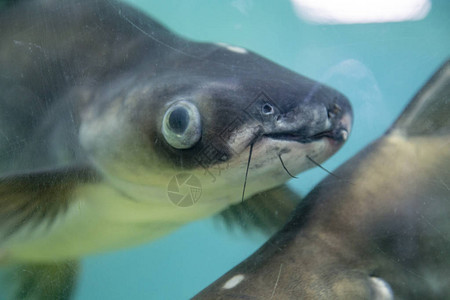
(378, 66)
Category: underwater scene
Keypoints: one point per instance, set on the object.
(149, 148)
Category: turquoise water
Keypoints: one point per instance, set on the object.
(378, 66)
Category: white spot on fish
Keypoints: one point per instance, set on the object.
(233, 282)
(235, 49)
(382, 288)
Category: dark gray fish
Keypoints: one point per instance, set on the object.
(115, 131)
(378, 228)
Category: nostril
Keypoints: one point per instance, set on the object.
(334, 110)
(267, 109)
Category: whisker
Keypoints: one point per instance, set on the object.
(284, 167)
(320, 166)
(246, 172)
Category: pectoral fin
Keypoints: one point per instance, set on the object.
(266, 211)
(40, 281)
(35, 197)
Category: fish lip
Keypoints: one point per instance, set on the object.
(339, 134)
(336, 134)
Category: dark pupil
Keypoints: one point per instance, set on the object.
(267, 108)
(179, 120)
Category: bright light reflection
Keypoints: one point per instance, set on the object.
(361, 11)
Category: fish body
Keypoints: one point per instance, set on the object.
(115, 131)
(378, 228)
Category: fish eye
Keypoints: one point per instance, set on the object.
(267, 109)
(181, 125)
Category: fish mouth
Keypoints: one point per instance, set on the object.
(335, 130)
(338, 135)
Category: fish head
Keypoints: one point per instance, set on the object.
(212, 117)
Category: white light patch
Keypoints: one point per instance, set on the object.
(233, 282)
(243, 6)
(361, 11)
(235, 49)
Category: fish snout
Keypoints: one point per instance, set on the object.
(314, 121)
(339, 119)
